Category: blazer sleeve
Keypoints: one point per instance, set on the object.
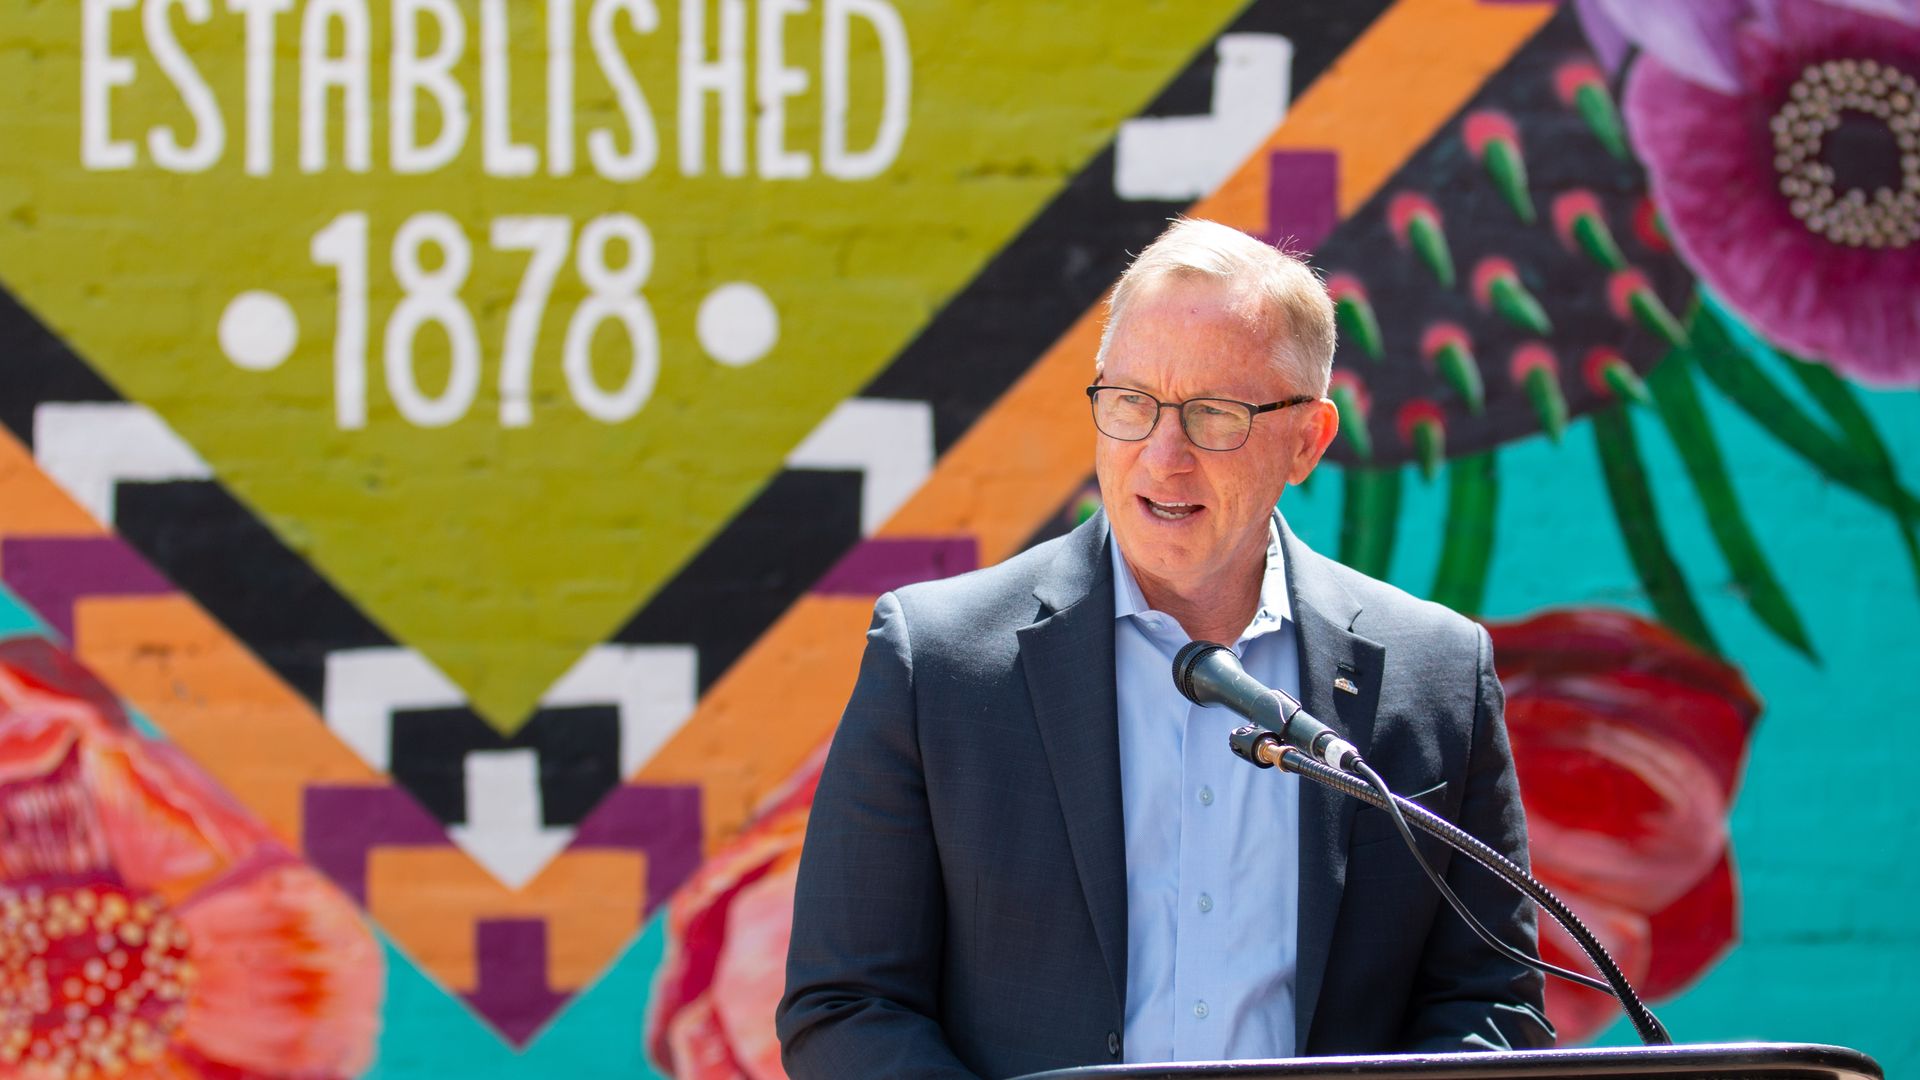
(869, 915)
(1466, 996)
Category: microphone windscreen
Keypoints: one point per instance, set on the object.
(1186, 660)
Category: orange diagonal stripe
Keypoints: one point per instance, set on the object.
(249, 730)
(31, 504)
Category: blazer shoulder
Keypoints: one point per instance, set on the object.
(1390, 614)
(1003, 595)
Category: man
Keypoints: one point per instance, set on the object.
(1028, 851)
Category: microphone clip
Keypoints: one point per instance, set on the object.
(1249, 740)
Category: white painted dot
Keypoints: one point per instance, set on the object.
(737, 324)
(258, 330)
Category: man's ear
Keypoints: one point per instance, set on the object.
(1314, 432)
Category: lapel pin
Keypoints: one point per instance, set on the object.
(1346, 684)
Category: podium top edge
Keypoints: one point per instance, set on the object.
(1688, 1061)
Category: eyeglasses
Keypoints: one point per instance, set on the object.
(1210, 423)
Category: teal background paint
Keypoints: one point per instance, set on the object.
(430, 1035)
(16, 619)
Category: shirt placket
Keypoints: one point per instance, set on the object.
(1201, 946)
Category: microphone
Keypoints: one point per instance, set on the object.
(1209, 674)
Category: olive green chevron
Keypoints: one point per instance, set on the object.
(229, 211)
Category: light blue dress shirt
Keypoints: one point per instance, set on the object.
(1213, 869)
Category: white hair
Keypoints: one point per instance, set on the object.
(1286, 298)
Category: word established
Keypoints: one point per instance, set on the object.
(431, 102)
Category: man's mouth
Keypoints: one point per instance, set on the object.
(1171, 511)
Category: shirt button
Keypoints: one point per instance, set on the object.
(1206, 796)
(1200, 1009)
(1113, 1043)
(1206, 903)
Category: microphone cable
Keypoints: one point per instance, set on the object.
(1365, 772)
(1208, 673)
(1376, 793)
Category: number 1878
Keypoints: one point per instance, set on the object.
(433, 296)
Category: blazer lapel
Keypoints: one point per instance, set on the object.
(1068, 659)
(1324, 612)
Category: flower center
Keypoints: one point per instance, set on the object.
(92, 978)
(1847, 147)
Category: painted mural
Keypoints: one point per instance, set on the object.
(449, 451)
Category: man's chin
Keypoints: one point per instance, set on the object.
(1154, 557)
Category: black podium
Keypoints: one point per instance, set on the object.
(1700, 1061)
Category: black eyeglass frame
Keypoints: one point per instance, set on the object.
(1253, 410)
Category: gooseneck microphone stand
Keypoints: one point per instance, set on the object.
(1262, 747)
(1208, 673)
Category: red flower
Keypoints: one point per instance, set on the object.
(148, 925)
(727, 933)
(1629, 743)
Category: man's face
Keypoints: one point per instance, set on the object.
(1189, 519)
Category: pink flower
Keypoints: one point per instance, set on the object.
(1698, 37)
(1782, 139)
(148, 925)
(1629, 743)
(727, 933)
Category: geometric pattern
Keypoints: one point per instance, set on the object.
(130, 471)
(365, 687)
(1007, 450)
(888, 443)
(599, 721)
(268, 747)
(53, 573)
(511, 802)
(649, 689)
(92, 448)
(1184, 157)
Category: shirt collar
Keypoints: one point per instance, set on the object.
(1275, 606)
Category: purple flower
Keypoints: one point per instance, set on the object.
(1782, 139)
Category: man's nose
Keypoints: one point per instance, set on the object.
(1168, 449)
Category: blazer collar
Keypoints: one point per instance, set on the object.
(1324, 612)
(1079, 566)
(1067, 656)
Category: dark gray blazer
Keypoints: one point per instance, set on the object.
(961, 906)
